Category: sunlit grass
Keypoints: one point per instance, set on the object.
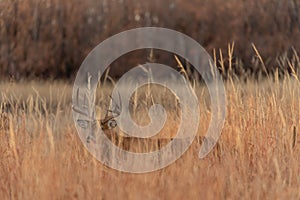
(42, 156)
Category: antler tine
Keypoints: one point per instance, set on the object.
(118, 108)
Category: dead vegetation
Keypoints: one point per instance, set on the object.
(257, 155)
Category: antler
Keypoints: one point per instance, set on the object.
(109, 121)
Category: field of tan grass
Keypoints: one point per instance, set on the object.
(254, 44)
(257, 157)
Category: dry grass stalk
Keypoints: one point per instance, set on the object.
(4, 121)
(294, 137)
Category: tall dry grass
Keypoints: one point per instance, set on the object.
(258, 155)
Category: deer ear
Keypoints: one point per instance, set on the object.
(80, 111)
(83, 123)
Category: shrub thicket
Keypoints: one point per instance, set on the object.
(50, 38)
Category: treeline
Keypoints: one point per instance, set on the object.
(50, 38)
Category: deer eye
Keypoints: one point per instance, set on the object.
(112, 123)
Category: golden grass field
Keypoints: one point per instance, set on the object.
(258, 155)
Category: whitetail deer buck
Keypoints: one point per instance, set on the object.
(107, 123)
